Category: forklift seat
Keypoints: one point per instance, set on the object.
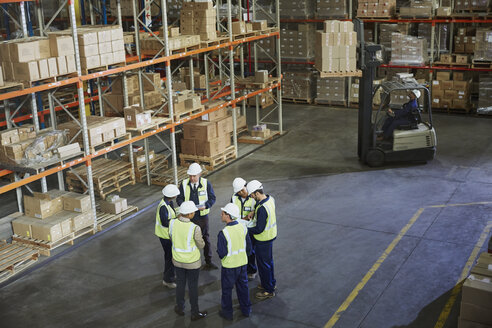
(414, 121)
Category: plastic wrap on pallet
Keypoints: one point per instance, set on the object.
(299, 84)
(385, 33)
(332, 89)
(297, 9)
(331, 8)
(408, 50)
(485, 95)
(475, 5)
(424, 31)
(483, 45)
(298, 44)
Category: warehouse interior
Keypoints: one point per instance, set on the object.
(97, 117)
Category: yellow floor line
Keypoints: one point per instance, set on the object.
(466, 270)
(333, 320)
(454, 205)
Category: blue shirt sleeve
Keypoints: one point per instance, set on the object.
(407, 109)
(221, 245)
(211, 196)
(164, 216)
(261, 220)
(180, 198)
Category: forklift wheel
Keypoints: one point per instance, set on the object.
(375, 158)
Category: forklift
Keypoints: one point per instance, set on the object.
(413, 142)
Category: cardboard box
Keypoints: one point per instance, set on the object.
(44, 72)
(261, 76)
(447, 85)
(224, 126)
(53, 67)
(40, 208)
(103, 35)
(105, 47)
(331, 26)
(239, 27)
(26, 71)
(193, 102)
(44, 48)
(462, 59)
(156, 81)
(135, 117)
(22, 226)
(477, 290)
(2, 83)
(82, 220)
(61, 64)
(71, 66)
(117, 45)
(443, 11)
(23, 52)
(261, 134)
(46, 231)
(86, 37)
(61, 45)
(114, 208)
(458, 76)
(89, 50)
(188, 146)
(212, 147)
(260, 25)
(443, 76)
(64, 219)
(200, 130)
(106, 59)
(446, 58)
(76, 202)
(68, 150)
(216, 115)
(116, 33)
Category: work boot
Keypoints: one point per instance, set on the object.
(198, 316)
(260, 287)
(179, 311)
(169, 284)
(264, 295)
(225, 316)
(251, 276)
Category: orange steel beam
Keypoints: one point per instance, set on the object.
(142, 64)
(4, 172)
(17, 184)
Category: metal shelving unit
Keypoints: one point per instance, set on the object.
(103, 83)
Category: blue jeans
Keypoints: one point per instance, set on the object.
(168, 260)
(182, 277)
(230, 277)
(264, 259)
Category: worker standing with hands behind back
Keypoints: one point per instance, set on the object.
(165, 213)
(264, 233)
(233, 247)
(199, 191)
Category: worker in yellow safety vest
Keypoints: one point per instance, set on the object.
(264, 233)
(165, 213)
(186, 240)
(200, 191)
(246, 206)
(233, 247)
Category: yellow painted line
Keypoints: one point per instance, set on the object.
(336, 316)
(454, 205)
(466, 270)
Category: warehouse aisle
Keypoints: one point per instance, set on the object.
(336, 218)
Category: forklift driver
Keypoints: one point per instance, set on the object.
(401, 117)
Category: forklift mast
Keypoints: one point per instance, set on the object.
(368, 64)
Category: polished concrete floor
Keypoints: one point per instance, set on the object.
(336, 218)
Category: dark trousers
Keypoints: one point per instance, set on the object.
(168, 260)
(264, 259)
(190, 276)
(230, 277)
(202, 222)
(391, 124)
(252, 257)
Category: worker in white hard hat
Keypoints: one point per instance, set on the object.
(246, 206)
(200, 191)
(402, 116)
(264, 233)
(186, 258)
(233, 247)
(165, 213)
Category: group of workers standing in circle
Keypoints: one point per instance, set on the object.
(244, 245)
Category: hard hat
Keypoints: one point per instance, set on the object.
(253, 186)
(187, 208)
(170, 191)
(416, 93)
(232, 210)
(238, 184)
(194, 169)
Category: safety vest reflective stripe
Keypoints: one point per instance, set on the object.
(270, 231)
(235, 236)
(270, 223)
(229, 245)
(202, 199)
(160, 230)
(184, 247)
(246, 207)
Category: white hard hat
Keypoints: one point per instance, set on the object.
(194, 169)
(253, 186)
(188, 207)
(232, 210)
(238, 184)
(416, 93)
(170, 191)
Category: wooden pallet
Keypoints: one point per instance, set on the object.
(14, 258)
(166, 177)
(86, 71)
(307, 101)
(257, 140)
(452, 64)
(11, 86)
(110, 143)
(329, 17)
(180, 116)
(211, 43)
(45, 247)
(103, 219)
(357, 73)
(156, 123)
(158, 164)
(244, 35)
(210, 162)
(481, 64)
(328, 102)
(108, 176)
(183, 50)
(375, 17)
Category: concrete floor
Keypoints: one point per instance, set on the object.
(335, 217)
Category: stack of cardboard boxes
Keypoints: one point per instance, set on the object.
(53, 215)
(99, 129)
(152, 96)
(199, 18)
(185, 102)
(483, 45)
(418, 9)
(299, 84)
(385, 33)
(2, 82)
(376, 8)
(468, 5)
(451, 93)
(354, 92)
(485, 95)
(261, 131)
(298, 44)
(442, 29)
(464, 41)
(331, 90)
(336, 47)
(476, 299)
(37, 58)
(176, 41)
(331, 8)
(113, 204)
(127, 7)
(208, 138)
(408, 50)
(136, 117)
(297, 9)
